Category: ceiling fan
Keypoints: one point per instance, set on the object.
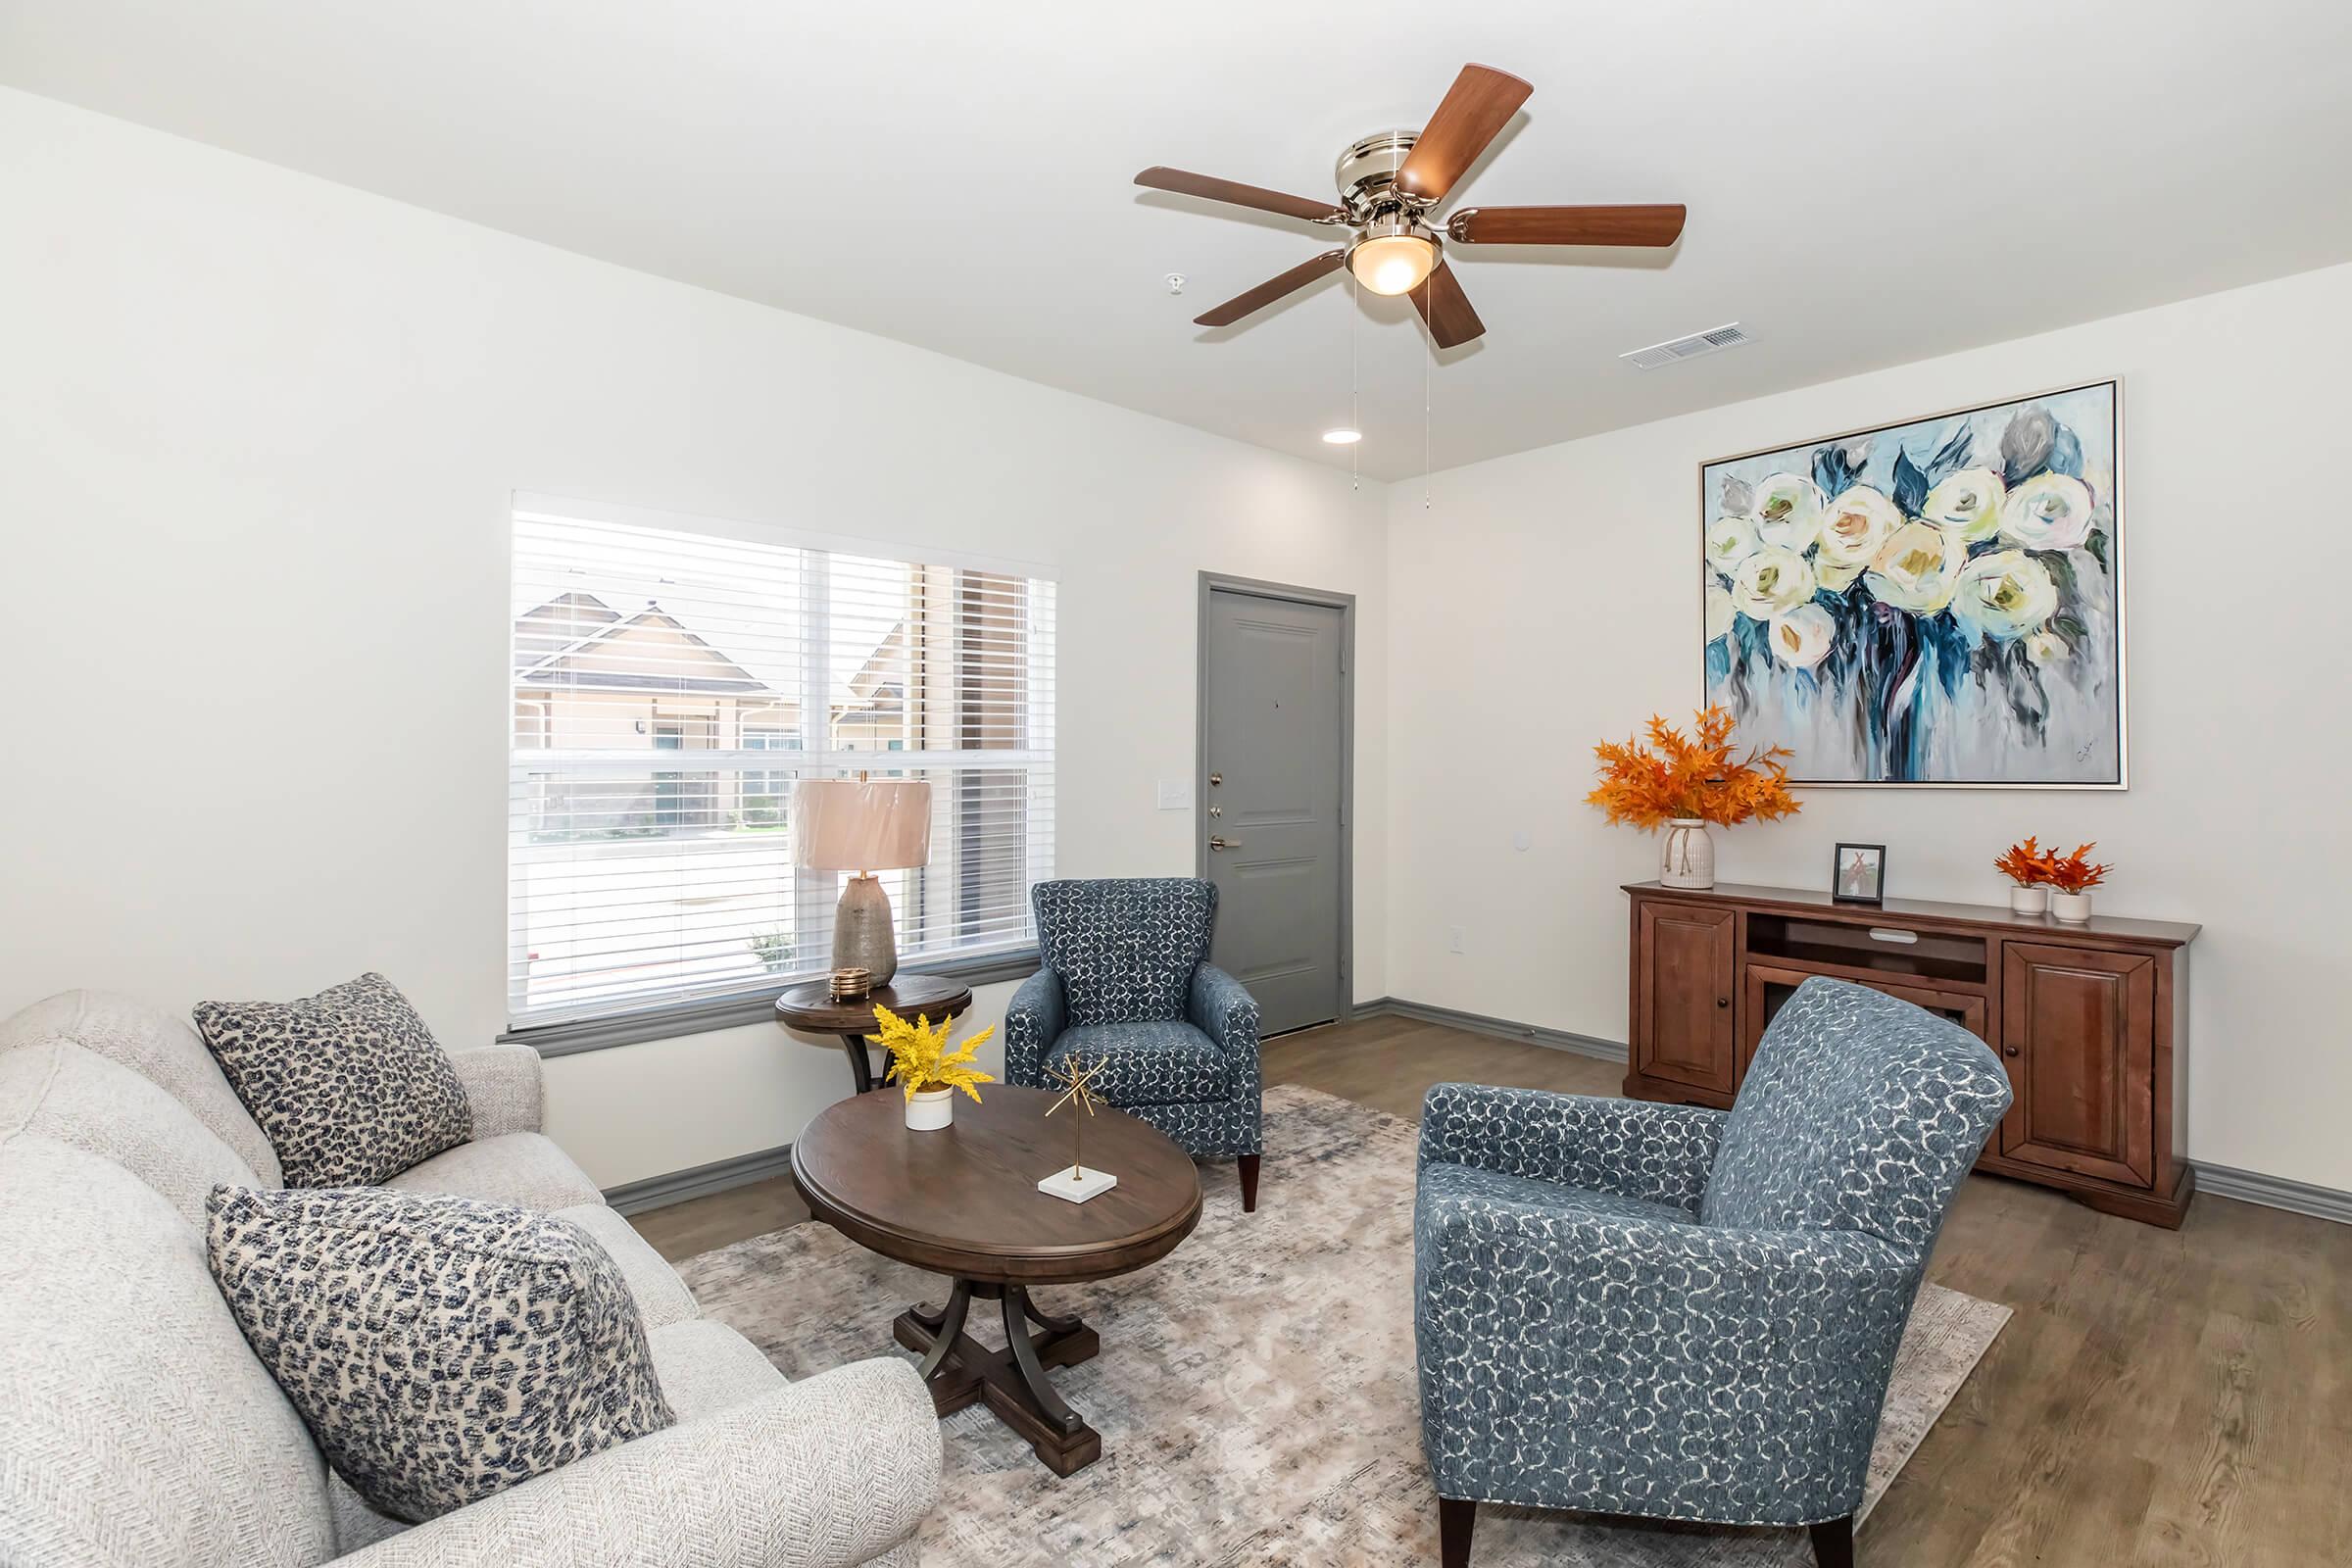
(1390, 185)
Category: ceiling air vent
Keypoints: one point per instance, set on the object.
(1728, 336)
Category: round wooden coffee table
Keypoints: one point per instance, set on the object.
(809, 1007)
(964, 1202)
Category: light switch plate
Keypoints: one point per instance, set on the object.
(1175, 795)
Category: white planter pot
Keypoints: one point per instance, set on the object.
(930, 1109)
(2029, 901)
(1687, 855)
(2073, 907)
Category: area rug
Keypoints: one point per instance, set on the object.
(1255, 1389)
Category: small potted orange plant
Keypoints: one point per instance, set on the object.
(1682, 783)
(2072, 878)
(2027, 865)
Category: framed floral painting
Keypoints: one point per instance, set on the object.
(1936, 603)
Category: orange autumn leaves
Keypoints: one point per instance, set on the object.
(1682, 776)
(2028, 864)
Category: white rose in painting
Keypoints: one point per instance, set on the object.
(1771, 580)
(2004, 595)
(1719, 610)
(1730, 541)
(1837, 579)
(1787, 512)
(1800, 638)
(2048, 512)
(1855, 524)
(2047, 648)
(1918, 567)
(1968, 503)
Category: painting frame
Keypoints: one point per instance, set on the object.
(2119, 545)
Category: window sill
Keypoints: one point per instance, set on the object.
(703, 1014)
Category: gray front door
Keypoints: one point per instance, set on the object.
(1273, 769)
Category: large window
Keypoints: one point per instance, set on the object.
(673, 679)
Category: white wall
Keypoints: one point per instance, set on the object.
(1551, 602)
(257, 438)
(257, 434)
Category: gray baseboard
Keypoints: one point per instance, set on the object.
(2272, 1192)
(1478, 1023)
(699, 1181)
(2218, 1181)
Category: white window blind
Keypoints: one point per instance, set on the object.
(670, 685)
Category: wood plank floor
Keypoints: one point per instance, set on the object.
(2160, 1398)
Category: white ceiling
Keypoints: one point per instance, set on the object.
(1869, 181)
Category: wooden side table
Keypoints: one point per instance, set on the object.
(810, 1006)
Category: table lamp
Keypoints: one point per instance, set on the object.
(862, 827)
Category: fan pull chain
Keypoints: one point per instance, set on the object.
(1425, 364)
(1354, 415)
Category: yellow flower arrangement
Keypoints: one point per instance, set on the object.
(919, 1058)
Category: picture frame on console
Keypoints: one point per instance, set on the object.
(1858, 873)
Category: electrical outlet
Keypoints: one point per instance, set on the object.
(1457, 940)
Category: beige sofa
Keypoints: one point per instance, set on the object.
(136, 1428)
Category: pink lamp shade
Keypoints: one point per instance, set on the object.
(848, 825)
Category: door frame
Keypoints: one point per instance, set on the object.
(1212, 582)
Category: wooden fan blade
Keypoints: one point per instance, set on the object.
(1272, 289)
(1185, 184)
(1447, 309)
(1567, 225)
(1479, 104)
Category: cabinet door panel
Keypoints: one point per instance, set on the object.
(2077, 1037)
(1684, 1032)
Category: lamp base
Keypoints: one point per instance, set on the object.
(863, 934)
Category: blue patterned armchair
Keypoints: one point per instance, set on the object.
(1126, 977)
(1678, 1313)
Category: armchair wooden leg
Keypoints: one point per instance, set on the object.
(1454, 1519)
(1834, 1543)
(1250, 1184)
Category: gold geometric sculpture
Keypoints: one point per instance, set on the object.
(1076, 1081)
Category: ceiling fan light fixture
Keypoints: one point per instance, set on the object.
(1393, 264)
(1391, 182)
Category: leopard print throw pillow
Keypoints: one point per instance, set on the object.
(441, 1350)
(349, 1085)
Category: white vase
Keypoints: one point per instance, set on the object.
(1687, 855)
(2070, 907)
(2029, 901)
(930, 1109)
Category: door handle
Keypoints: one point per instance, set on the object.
(1224, 844)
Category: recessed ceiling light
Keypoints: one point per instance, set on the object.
(1343, 436)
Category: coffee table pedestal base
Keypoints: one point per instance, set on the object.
(960, 1370)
